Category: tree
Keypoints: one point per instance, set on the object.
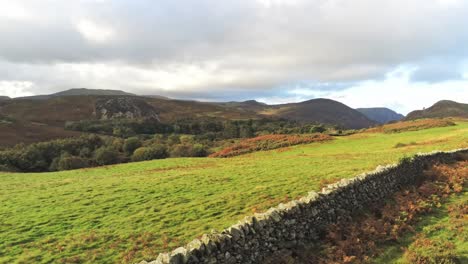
(231, 130)
(106, 156)
(199, 150)
(150, 153)
(67, 162)
(246, 131)
(318, 129)
(131, 144)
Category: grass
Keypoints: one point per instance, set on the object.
(130, 212)
(439, 233)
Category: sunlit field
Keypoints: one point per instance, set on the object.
(131, 212)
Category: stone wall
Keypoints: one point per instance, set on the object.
(301, 221)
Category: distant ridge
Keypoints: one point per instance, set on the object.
(444, 108)
(79, 92)
(4, 98)
(322, 110)
(55, 110)
(85, 91)
(381, 115)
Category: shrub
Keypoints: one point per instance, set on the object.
(150, 153)
(189, 150)
(431, 251)
(106, 156)
(317, 129)
(131, 145)
(71, 163)
(199, 150)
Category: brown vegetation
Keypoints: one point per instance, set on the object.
(358, 240)
(411, 125)
(268, 142)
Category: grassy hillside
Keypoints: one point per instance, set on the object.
(320, 110)
(133, 211)
(444, 108)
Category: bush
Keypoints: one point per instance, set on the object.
(189, 150)
(150, 153)
(131, 144)
(106, 156)
(67, 162)
(199, 150)
(318, 129)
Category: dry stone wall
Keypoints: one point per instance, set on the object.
(301, 222)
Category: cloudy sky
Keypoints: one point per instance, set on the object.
(403, 54)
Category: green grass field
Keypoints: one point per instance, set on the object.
(131, 212)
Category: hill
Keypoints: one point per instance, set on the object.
(85, 91)
(321, 111)
(130, 212)
(380, 115)
(84, 104)
(444, 108)
(87, 104)
(4, 98)
(77, 92)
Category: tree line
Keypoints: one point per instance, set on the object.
(120, 141)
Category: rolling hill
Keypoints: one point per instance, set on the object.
(321, 111)
(444, 108)
(380, 115)
(78, 92)
(81, 104)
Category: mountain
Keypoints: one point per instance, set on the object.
(321, 111)
(4, 98)
(444, 108)
(249, 105)
(47, 115)
(381, 115)
(79, 92)
(60, 107)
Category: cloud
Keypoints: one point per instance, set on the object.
(16, 88)
(396, 91)
(240, 48)
(94, 32)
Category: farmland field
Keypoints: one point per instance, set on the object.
(131, 212)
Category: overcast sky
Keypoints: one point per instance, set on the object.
(402, 54)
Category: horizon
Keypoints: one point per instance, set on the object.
(394, 54)
(213, 101)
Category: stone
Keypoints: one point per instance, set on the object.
(163, 258)
(178, 256)
(299, 222)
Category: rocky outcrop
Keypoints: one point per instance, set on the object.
(302, 221)
(124, 107)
